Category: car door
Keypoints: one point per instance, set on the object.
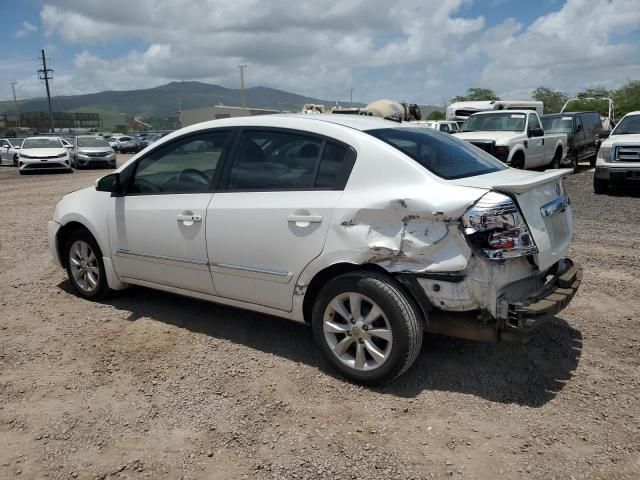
(157, 229)
(535, 155)
(579, 137)
(271, 219)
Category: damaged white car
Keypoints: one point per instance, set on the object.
(369, 230)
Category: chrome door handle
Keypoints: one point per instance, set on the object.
(189, 217)
(304, 218)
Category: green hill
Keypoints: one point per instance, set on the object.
(164, 100)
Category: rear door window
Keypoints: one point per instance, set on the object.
(272, 160)
(443, 155)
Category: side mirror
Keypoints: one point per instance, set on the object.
(579, 128)
(604, 133)
(110, 183)
(536, 132)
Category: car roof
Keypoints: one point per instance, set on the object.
(636, 112)
(48, 138)
(568, 114)
(356, 122)
(504, 111)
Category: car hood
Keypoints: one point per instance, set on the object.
(622, 139)
(42, 152)
(500, 138)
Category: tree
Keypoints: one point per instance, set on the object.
(436, 115)
(598, 91)
(627, 98)
(120, 129)
(477, 94)
(553, 100)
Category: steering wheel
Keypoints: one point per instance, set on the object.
(196, 176)
(145, 186)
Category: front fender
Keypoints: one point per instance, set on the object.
(89, 208)
(513, 150)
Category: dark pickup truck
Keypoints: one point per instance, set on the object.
(583, 131)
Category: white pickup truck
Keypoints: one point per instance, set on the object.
(515, 137)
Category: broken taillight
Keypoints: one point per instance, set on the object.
(496, 229)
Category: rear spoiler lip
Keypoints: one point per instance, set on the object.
(526, 184)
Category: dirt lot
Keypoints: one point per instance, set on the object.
(151, 385)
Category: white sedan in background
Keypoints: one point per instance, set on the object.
(43, 153)
(368, 230)
(9, 148)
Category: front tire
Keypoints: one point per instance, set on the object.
(366, 327)
(574, 163)
(15, 160)
(85, 267)
(555, 162)
(518, 161)
(600, 186)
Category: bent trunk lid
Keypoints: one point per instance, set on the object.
(543, 202)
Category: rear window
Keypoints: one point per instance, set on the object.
(444, 155)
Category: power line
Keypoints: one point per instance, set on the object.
(46, 74)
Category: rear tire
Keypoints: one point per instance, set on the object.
(366, 327)
(85, 268)
(600, 186)
(592, 160)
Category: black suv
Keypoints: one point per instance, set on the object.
(583, 133)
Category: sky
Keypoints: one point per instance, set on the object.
(420, 51)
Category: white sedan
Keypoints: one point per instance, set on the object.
(368, 230)
(9, 148)
(43, 153)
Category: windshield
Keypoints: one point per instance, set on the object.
(557, 124)
(92, 142)
(444, 155)
(41, 143)
(495, 122)
(628, 125)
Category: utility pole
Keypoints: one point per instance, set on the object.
(15, 102)
(351, 96)
(243, 100)
(45, 74)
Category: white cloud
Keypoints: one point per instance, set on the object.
(412, 50)
(26, 29)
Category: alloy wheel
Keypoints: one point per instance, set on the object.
(357, 331)
(84, 266)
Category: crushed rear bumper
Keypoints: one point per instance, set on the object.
(522, 316)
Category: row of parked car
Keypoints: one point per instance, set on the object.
(525, 140)
(60, 153)
(133, 143)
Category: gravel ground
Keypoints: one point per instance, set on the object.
(152, 385)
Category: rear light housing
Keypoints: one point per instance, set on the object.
(496, 229)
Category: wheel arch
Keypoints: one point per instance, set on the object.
(63, 234)
(322, 277)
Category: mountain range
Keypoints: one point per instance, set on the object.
(168, 100)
